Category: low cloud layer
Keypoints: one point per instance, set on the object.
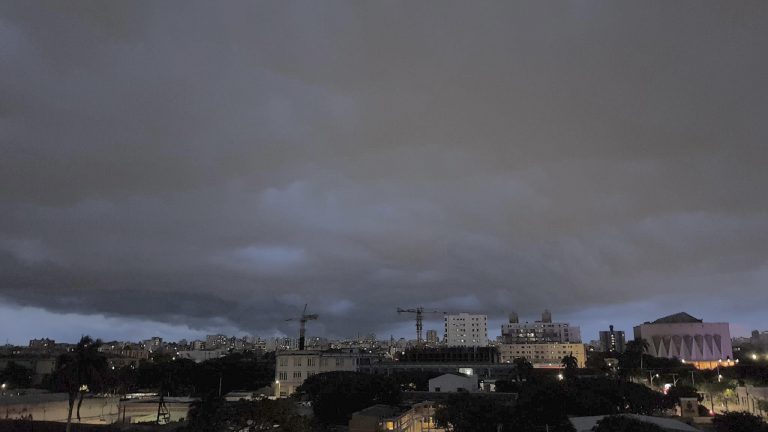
(219, 167)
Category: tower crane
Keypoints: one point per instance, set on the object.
(419, 311)
(303, 324)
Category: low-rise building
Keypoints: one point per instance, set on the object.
(44, 344)
(419, 417)
(543, 355)
(488, 355)
(202, 355)
(748, 399)
(293, 367)
(454, 382)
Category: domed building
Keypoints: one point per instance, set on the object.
(682, 336)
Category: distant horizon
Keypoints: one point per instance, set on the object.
(406, 329)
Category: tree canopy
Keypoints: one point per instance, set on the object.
(16, 375)
(739, 422)
(336, 395)
(213, 414)
(625, 424)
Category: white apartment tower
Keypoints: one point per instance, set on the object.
(466, 330)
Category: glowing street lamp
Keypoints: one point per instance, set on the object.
(560, 376)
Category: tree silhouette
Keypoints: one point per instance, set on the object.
(571, 365)
(80, 371)
(523, 368)
(625, 424)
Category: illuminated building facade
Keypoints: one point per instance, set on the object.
(705, 345)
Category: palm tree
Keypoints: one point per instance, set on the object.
(571, 364)
(80, 371)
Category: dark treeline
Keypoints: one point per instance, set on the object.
(183, 377)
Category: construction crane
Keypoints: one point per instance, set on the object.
(303, 324)
(419, 311)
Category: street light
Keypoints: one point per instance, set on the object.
(560, 376)
(651, 377)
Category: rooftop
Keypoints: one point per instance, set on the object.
(379, 411)
(678, 318)
(585, 424)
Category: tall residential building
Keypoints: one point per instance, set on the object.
(466, 330)
(216, 341)
(612, 341)
(153, 344)
(198, 345)
(544, 331)
(432, 338)
(546, 316)
(705, 345)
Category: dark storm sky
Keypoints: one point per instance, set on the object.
(178, 168)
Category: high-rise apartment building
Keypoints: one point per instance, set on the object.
(544, 331)
(216, 341)
(432, 338)
(466, 330)
(612, 341)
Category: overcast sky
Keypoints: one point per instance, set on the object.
(179, 168)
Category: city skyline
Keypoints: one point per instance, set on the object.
(170, 171)
(127, 331)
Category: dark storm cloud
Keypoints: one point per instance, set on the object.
(197, 166)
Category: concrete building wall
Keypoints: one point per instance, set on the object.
(466, 330)
(419, 418)
(144, 411)
(748, 397)
(293, 367)
(612, 341)
(452, 383)
(694, 342)
(543, 355)
(540, 332)
(55, 407)
(203, 355)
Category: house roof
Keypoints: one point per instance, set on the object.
(678, 318)
(379, 411)
(585, 424)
